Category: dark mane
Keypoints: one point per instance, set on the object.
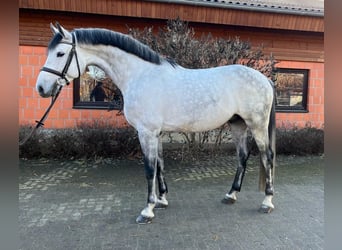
(121, 41)
(96, 36)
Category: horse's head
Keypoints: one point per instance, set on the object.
(62, 64)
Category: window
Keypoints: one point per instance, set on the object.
(291, 90)
(94, 90)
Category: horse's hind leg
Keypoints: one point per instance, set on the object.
(161, 202)
(266, 159)
(239, 134)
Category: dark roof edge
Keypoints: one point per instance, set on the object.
(250, 7)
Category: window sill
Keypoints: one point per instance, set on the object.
(292, 111)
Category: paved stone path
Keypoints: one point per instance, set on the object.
(83, 204)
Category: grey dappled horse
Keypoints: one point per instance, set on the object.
(160, 95)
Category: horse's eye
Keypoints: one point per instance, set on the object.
(60, 54)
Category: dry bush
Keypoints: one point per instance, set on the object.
(178, 41)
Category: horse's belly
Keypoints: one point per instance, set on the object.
(196, 121)
(191, 127)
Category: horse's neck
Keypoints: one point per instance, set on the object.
(119, 65)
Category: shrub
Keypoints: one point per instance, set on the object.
(178, 41)
(91, 141)
(300, 141)
(87, 140)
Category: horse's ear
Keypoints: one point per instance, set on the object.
(60, 28)
(53, 29)
(66, 34)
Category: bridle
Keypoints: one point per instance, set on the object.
(59, 82)
(63, 74)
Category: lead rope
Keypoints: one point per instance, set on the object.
(41, 122)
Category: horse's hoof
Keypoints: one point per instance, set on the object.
(265, 209)
(142, 220)
(227, 200)
(160, 206)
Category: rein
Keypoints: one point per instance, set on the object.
(59, 85)
(41, 121)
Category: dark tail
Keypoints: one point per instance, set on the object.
(272, 143)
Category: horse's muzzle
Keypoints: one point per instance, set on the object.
(43, 92)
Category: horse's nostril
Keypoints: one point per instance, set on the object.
(40, 89)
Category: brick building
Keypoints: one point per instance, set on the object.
(292, 32)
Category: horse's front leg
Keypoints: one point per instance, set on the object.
(149, 146)
(161, 202)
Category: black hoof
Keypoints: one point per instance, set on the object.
(160, 206)
(143, 220)
(265, 209)
(228, 201)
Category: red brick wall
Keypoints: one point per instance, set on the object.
(315, 116)
(32, 106)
